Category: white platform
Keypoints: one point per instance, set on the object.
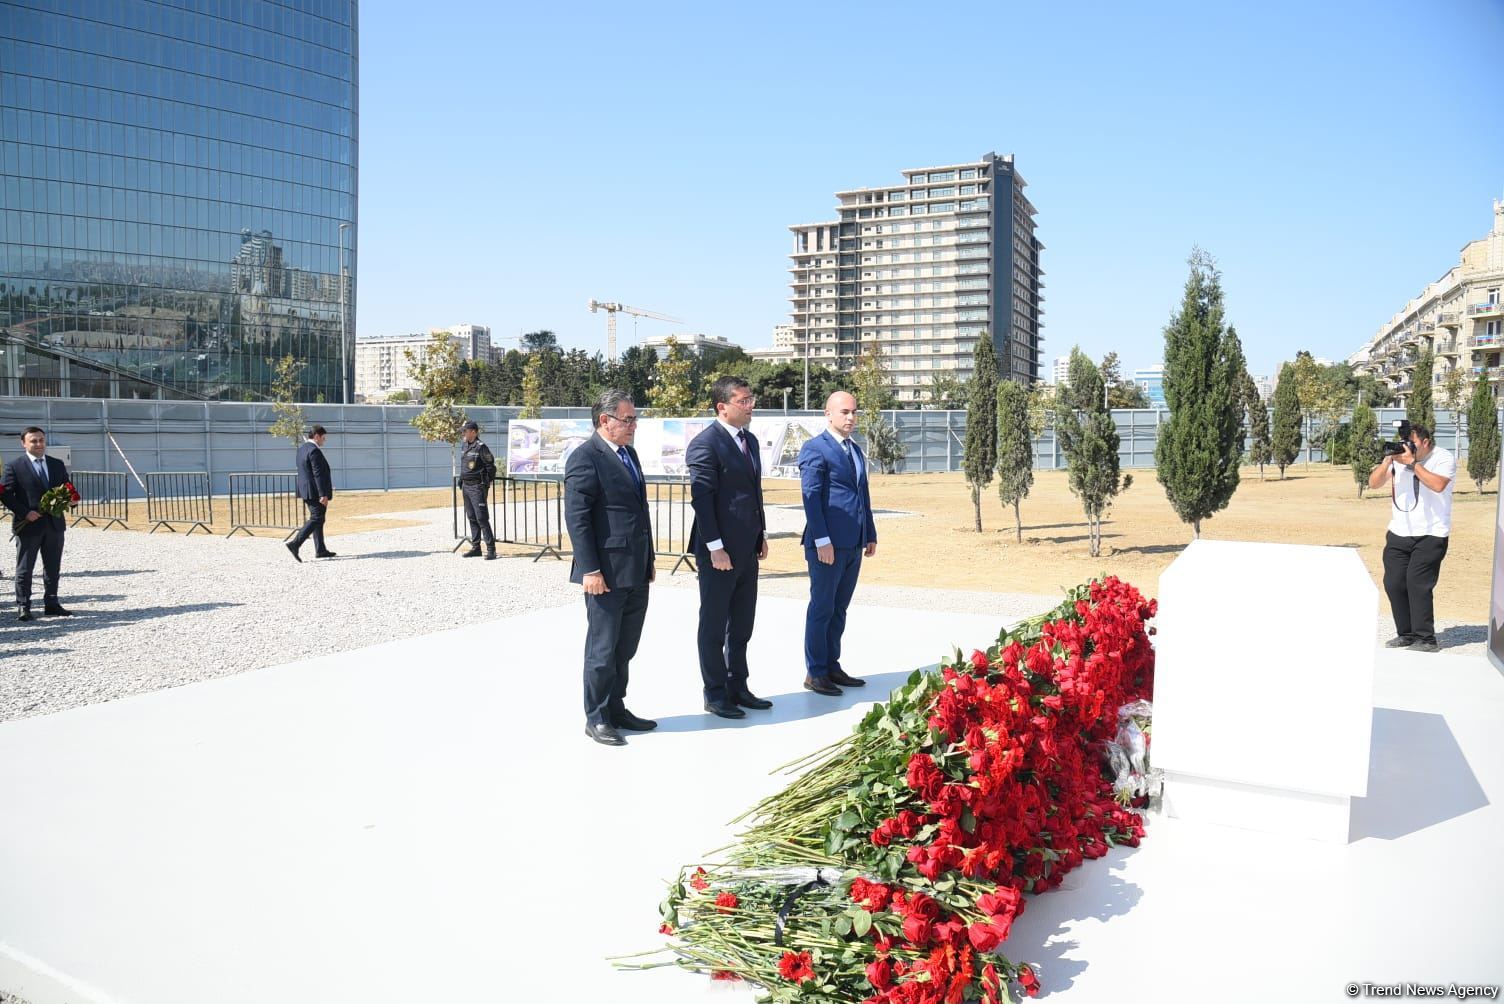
(1263, 688)
(423, 821)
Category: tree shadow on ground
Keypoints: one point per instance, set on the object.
(1148, 549)
(1068, 538)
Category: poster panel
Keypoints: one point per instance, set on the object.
(541, 447)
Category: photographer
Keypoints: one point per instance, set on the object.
(1420, 525)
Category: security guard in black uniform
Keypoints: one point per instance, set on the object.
(477, 471)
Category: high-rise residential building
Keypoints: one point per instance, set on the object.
(177, 190)
(1062, 371)
(705, 346)
(474, 341)
(1265, 386)
(1459, 317)
(923, 267)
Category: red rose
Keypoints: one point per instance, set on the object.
(880, 974)
(698, 880)
(1028, 981)
(882, 836)
(984, 937)
(917, 930)
(979, 661)
(723, 974)
(923, 906)
(666, 928)
(725, 902)
(796, 968)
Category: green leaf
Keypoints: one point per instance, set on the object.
(861, 923)
(843, 925)
(848, 820)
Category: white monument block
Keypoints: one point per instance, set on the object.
(1263, 685)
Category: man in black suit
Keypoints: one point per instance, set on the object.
(730, 539)
(315, 488)
(26, 479)
(606, 513)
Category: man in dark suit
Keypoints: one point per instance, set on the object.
(26, 479)
(315, 488)
(838, 532)
(730, 539)
(606, 513)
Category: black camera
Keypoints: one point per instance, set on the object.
(1402, 430)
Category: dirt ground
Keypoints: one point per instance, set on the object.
(1315, 505)
(937, 546)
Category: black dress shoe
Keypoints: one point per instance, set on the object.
(725, 709)
(56, 610)
(1425, 645)
(490, 555)
(25, 614)
(821, 685)
(605, 734)
(630, 722)
(1403, 641)
(326, 554)
(294, 549)
(839, 677)
(747, 699)
(474, 552)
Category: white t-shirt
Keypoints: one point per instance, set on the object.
(1418, 511)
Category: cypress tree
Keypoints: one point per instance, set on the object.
(1419, 408)
(1363, 445)
(1015, 449)
(1259, 450)
(1284, 441)
(1199, 448)
(1482, 435)
(1089, 438)
(980, 455)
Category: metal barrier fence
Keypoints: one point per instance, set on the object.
(179, 497)
(265, 502)
(462, 523)
(672, 518)
(532, 514)
(102, 495)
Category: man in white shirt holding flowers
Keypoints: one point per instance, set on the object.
(1420, 526)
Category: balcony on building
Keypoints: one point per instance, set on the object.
(1485, 309)
(1486, 341)
(1449, 319)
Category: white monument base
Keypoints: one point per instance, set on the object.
(1255, 807)
(1263, 686)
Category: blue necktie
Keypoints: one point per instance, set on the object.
(621, 451)
(41, 469)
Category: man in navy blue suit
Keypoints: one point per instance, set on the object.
(838, 533)
(315, 488)
(27, 479)
(730, 538)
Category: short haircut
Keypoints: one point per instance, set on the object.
(30, 429)
(1422, 431)
(317, 430)
(722, 389)
(610, 399)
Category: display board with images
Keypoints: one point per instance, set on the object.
(540, 447)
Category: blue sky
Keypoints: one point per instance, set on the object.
(518, 160)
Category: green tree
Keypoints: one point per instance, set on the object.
(1121, 393)
(635, 372)
(1454, 395)
(1285, 440)
(869, 382)
(1363, 445)
(1259, 450)
(1041, 408)
(540, 341)
(1200, 446)
(442, 383)
(1373, 391)
(1418, 408)
(1482, 434)
(948, 392)
(673, 394)
(1089, 439)
(1015, 450)
(532, 386)
(289, 422)
(980, 456)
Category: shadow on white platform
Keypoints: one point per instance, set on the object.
(425, 821)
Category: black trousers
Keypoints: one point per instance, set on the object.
(314, 527)
(613, 629)
(479, 515)
(48, 542)
(728, 607)
(1411, 567)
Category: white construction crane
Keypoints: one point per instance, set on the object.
(612, 309)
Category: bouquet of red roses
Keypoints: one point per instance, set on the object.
(57, 501)
(892, 869)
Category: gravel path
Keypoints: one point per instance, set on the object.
(161, 610)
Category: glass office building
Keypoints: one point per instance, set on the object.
(177, 178)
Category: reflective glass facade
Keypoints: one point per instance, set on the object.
(173, 177)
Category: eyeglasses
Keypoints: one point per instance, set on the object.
(745, 402)
(629, 420)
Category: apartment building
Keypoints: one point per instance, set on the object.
(1459, 317)
(382, 369)
(923, 268)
